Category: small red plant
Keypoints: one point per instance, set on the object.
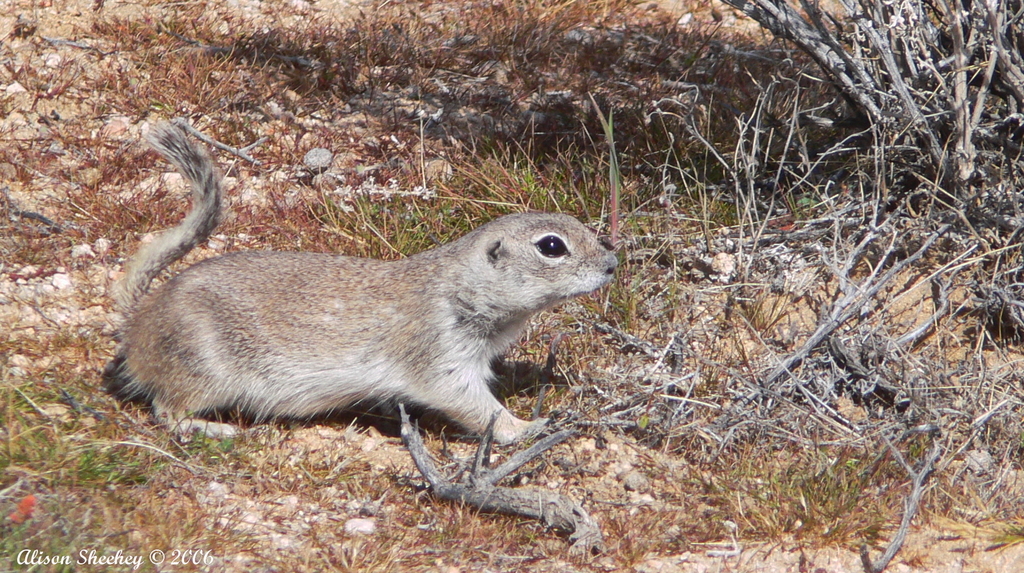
(24, 510)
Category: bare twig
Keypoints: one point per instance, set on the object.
(14, 212)
(210, 49)
(548, 375)
(846, 307)
(914, 336)
(177, 461)
(614, 176)
(1010, 62)
(910, 507)
(784, 21)
(242, 152)
(627, 339)
(920, 73)
(551, 508)
(79, 45)
(10, 490)
(483, 451)
(77, 406)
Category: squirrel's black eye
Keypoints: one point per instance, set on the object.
(552, 246)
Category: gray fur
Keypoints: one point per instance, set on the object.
(196, 166)
(291, 334)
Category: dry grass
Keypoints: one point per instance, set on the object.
(663, 373)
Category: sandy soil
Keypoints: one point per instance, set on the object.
(33, 299)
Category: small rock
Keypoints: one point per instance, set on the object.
(101, 246)
(217, 489)
(280, 541)
(116, 126)
(81, 251)
(15, 88)
(318, 159)
(437, 170)
(217, 242)
(578, 36)
(979, 461)
(360, 526)
(27, 271)
(8, 171)
(635, 481)
(639, 499)
(275, 110)
(52, 60)
(173, 181)
(58, 411)
(60, 281)
(724, 264)
(90, 176)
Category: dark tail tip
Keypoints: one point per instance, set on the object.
(118, 382)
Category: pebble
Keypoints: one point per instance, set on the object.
(578, 36)
(724, 264)
(290, 502)
(90, 176)
(217, 490)
(318, 159)
(60, 281)
(101, 246)
(280, 541)
(360, 526)
(83, 250)
(116, 126)
(635, 481)
(174, 181)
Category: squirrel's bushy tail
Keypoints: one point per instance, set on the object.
(195, 164)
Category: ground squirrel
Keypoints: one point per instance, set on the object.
(292, 334)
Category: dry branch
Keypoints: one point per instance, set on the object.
(242, 152)
(933, 77)
(784, 21)
(14, 213)
(919, 478)
(855, 297)
(942, 308)
(550, 508)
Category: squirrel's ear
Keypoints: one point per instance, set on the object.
(494, 252)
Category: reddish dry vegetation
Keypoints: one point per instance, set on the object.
(741, 242)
